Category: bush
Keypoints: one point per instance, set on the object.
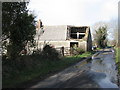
(50, 53)
(77, 50)
(80, 50)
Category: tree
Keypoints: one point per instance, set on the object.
(17, 26)
(112, 30)
(101, 36)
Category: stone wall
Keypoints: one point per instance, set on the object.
(56, 44)
(65, 44)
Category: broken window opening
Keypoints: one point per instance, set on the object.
(77, 32)
(73, 36)
(81, 36)
(73, 44)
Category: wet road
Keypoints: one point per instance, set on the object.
(103, 69)
(100, 73)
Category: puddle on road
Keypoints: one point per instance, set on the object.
(103, 70)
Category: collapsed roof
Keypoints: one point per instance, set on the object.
(63, 32)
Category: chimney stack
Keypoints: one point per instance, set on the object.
(39, 24)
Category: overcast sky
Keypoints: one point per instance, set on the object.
(74, 12)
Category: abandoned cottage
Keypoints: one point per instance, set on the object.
(65, 36)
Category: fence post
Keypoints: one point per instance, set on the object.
(62, 49)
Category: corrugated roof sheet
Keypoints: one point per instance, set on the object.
(54, 33)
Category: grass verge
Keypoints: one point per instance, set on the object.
(118, 59)
(40, 69)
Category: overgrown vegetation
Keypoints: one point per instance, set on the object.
(50, 53)
(76, 50)
(26, 68)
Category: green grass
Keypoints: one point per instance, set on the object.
(41, 69)
(117, 55)
(118, 58)
(98, 48)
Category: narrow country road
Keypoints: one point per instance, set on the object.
(99, 73)
(103, 69)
